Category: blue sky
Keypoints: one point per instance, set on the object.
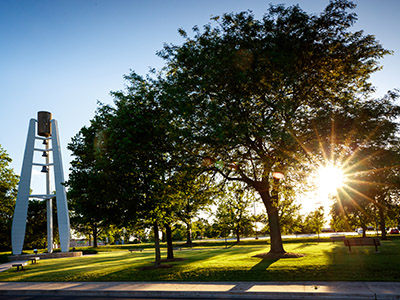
(64, 56)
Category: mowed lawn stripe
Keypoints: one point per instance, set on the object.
(322, 261)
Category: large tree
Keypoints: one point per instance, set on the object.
(245, 91)
(142, 156)
(372, 189)
(125, 161)
(365, 144)
(90, 181)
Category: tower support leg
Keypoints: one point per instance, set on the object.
(49, 207)
(61, 198)
(21, 205)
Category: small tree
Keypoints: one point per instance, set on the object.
(8, 194)
(233, 212)
(191, 191)
(141, 150)
(315, 221)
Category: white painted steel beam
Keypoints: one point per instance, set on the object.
(21, 205)
(42, 196)
(61, 197)
(49, 208)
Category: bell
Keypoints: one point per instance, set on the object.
(45, 169)
(45, 154)
(44, 142)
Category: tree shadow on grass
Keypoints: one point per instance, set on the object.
(302, 246)
(264, 264)
(156, 267)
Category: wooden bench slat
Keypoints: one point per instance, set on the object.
(337, 238)
(20, 264)
(369, 241)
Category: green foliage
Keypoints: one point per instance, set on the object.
(392, 216)
(89, 251)
(314, 221)
(8, 194)
(369, 151)
(234, 211)
(239, 100)
(178, 233)
(290, 220)
(249, 94)
(214, 230)
(199, 228)
(190, 191)
(36, 226)
(90, 181)
(338, 221)
(4, 258)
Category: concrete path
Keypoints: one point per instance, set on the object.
(202, 290)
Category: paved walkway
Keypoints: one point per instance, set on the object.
(220, 290)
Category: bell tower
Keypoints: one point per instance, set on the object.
(47, 132)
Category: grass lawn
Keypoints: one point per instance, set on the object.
(214, 262)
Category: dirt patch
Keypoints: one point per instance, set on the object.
(270, 255)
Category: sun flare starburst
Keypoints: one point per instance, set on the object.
(348, 170)
(329, 179)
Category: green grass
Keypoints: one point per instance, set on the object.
(215, 262)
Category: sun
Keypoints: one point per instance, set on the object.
(329, 179)
(324, 183)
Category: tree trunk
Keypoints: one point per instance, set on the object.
(237, 234)
(271, 204)
(170, 249)
(364, 229)
(382, 223)
(189, 233)
(157, 244)
(94, 236)
(163, 236)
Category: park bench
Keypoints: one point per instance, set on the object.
(367, 241)
(137, 249)
(20, 265)
(34, 259)
(337, 238)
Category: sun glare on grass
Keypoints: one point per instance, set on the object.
(329, 179)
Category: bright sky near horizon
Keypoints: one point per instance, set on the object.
(64, 56)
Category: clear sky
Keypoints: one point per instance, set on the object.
(64, 56)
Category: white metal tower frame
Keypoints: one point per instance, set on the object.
(21, 205)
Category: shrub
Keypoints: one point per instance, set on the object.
(89, 251)
(4, 258)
